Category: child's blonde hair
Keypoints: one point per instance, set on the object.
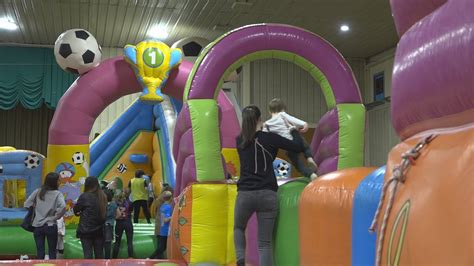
(276, 105)
(123, 195)
(166, 195)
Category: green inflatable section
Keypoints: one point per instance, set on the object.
(16, 241)
(286, 235)
(351, 135)
(207, 145)
(143, 243)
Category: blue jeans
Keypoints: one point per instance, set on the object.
(50, 232)
(294, 157)
(265, 204)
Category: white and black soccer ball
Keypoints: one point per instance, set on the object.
(78, 158)
(191, 46)
(77, 51)
(283, 169)
(32, 161)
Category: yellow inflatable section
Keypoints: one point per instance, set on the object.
(140, 145)
(232, 161)
(62, 157)
(14, 193)
(145, 143)
(6, 148)
(71, 162)
(202, 224)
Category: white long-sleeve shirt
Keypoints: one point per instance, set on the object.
(61, 227)
(282, 123)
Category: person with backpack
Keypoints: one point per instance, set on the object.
(123, 222)
(49, 206)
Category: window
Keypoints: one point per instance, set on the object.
(379, 87)
(14, 193)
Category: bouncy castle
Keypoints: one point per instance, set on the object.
(182, 131)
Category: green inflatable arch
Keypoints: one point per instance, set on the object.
(339, 140)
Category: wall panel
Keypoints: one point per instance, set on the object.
(271, 78)
(25, 128)
(380, 136)
(382, 62)
(109, 52)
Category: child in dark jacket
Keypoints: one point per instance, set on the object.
(123, 223)
(91, 207)
(109, 223)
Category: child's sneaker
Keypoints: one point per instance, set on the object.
(312, 162)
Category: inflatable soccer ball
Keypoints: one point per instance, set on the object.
(77, 51)
(281, 168)
(32, 161)
(191, 46)
(78, 158)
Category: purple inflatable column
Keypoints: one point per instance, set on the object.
(325, 144)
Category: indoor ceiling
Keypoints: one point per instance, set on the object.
(115, 23)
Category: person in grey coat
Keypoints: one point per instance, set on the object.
(49, 207)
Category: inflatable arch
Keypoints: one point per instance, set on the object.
(88, 96)
(339, 140)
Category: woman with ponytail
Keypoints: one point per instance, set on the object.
(257, 186)
(49, 206)
(91, 207)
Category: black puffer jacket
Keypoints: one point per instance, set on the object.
(91, 222)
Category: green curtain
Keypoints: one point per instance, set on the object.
(31, 76)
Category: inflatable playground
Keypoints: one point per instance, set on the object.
(408, 212)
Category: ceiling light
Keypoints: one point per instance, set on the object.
(344, 28)
(158, 32)
(7, 24)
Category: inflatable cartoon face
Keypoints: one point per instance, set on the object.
(66, 172)
(152, 62)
